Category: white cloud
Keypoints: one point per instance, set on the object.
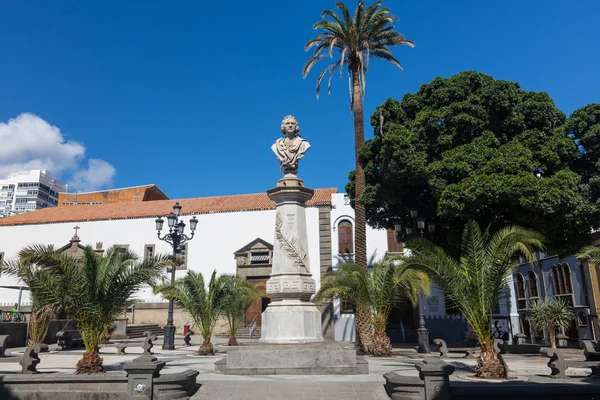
(98, 174)
(28, 142)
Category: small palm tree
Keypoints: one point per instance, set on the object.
(550, 314)
(93, 290)
(240, 295)
(204, 304)
(375, 294)
(28, 273)
(476, 281)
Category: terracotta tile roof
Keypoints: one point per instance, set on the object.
(202, 205)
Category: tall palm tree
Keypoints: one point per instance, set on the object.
(204, 304)
(375, 294)
(355, 39)
(550, 314)
(476, 282)
(240, 296)
(93, 290)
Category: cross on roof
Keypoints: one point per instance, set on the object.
(76, 227)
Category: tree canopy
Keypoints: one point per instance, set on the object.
(472, 147)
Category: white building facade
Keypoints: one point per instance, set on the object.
(227, 224)
(25, 191)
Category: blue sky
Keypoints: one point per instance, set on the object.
(190, 95)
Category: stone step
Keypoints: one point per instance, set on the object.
(137, 330)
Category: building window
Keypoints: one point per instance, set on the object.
(561, 279)
(182, 256)
(346, 307)
(122, 248)
(259, 257)
(148, 252)
(345, 238)
(533, 290)
(521, 300)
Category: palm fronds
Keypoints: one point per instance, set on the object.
(352, 40)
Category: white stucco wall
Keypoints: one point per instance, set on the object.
(218, 235)
(377, 246)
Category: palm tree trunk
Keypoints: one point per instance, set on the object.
(382, 347)
(207, 348)
(490, 364)
(363, 325)
(552, 334)
(360, 230)
(364, 340)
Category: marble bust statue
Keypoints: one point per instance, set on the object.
(291, 148)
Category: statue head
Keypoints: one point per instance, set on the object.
(289, 125)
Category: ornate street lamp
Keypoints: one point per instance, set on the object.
(175, 237)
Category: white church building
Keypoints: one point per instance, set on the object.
(234, 235)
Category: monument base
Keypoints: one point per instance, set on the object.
(291, 321)
(326, 358)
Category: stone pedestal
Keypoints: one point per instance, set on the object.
(291, 317)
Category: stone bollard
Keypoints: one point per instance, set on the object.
(436, 375)
(187, 338)
(141, 372)
(4, 339)
(561, 340)
(519, 339)
(30, 360)
(497, 344)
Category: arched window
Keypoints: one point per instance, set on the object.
(521, 301)
(533, 290)
(345, 238)
(561, 279)
(566, 272)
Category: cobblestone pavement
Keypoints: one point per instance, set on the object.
(279, 387)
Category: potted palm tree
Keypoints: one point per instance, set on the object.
(550, 314)
(93, 290)
(205, 304)
(375, 294)
(476, 281)
(240, 296)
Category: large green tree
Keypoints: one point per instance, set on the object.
(472, 147)
(350, 41)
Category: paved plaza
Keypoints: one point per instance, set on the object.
(227, 387)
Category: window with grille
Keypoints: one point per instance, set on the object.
(122, 248)
(259, 257)
(346, 307)
(148, 252)
(345, 238)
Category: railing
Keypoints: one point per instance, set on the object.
(252, 327)
(8, 317)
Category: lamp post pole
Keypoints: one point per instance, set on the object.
(175, 237)
(422, 331)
